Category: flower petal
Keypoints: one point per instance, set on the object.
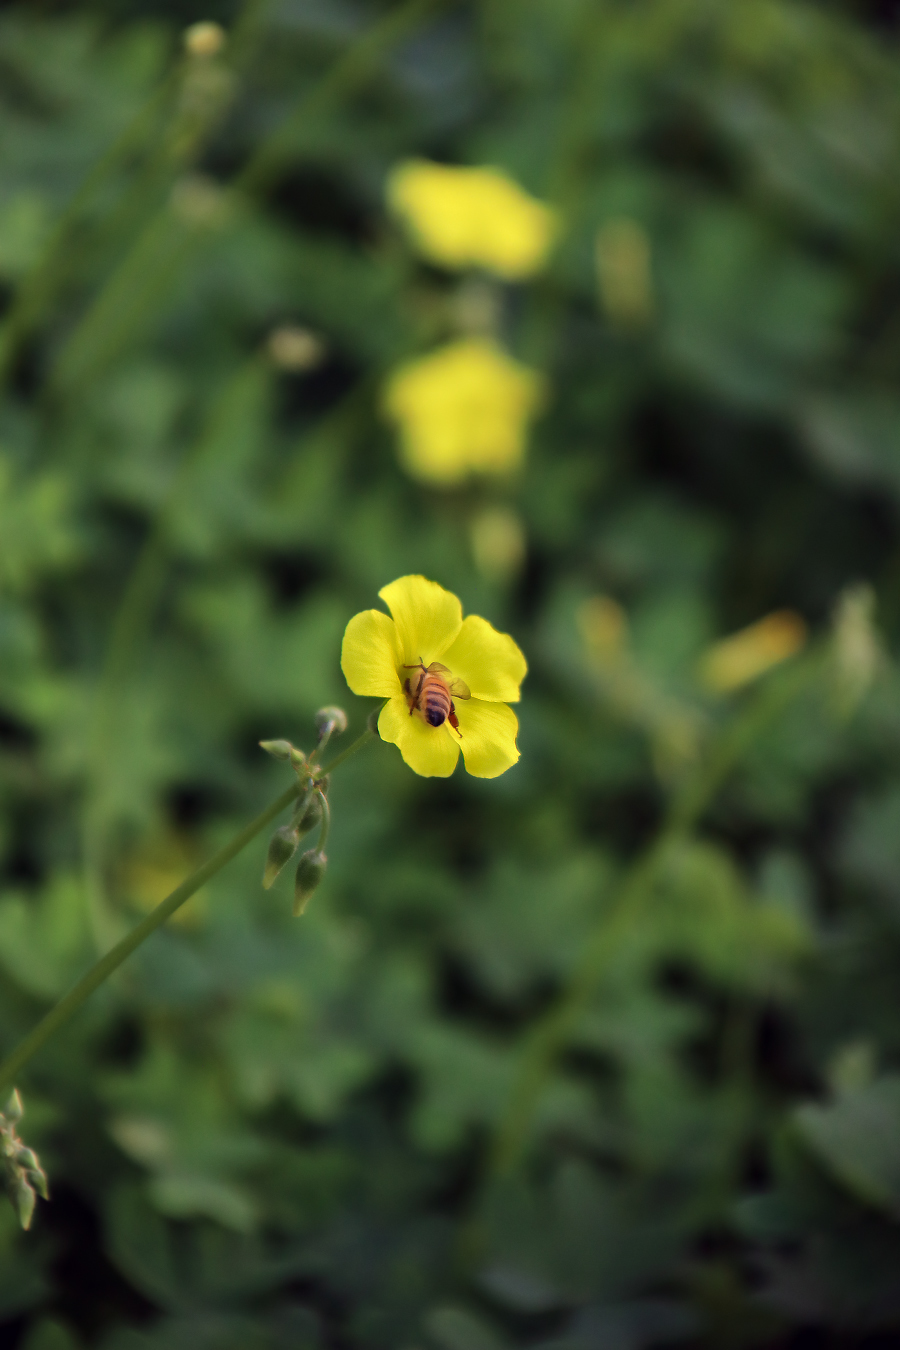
(429, 751)
(370, 655)
(428, 618)
(489, 662)
(488, 737)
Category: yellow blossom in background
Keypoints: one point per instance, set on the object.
(737, 660)
(622, 252)
(463, 409)
(462, 217)
(379, 657)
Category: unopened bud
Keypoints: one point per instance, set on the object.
(308, 815)
(26, 1157)
(282, 750)
(295, 349)
(38, 1178)
(297, 758)
(282, 847)
(20, 1168)
(204, 39)
(331, 720)
(309, 875)
(23, 1200)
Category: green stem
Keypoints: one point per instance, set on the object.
(551, 1032)
(361, 740)
(348, 72)
(326, 821)
(69, 1004)
(131, 624)
(39, 285)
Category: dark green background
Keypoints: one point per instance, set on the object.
(277, 1133)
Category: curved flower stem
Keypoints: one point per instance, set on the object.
(345, 75)
(69, 1004)
(326, 821)
(551, 1032)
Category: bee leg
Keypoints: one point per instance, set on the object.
(454, 720)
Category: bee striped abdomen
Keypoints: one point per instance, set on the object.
(434, 700)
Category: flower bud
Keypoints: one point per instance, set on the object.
(282, 847)
(204, 39)
(14, 1108)
(309, 875)
(308, 815)
(23, 1198)
(295, 349)
(282, 750)
(330, 720)
(20, 1168)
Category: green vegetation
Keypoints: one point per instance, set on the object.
(603, 1052)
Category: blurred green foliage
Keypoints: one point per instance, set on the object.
(601, 1053)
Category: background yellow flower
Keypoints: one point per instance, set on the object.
(736, 660)
(464, 217)
(462, 409)
(427, 625)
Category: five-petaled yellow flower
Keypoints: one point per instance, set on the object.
(462, 409)
(383, 657)
(464, 217)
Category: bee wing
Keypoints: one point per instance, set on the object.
(458, 688)
(437, 669)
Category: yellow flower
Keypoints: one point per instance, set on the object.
(380, 654)
(472, 218)
(746, 655)
(463, 408)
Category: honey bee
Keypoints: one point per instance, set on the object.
(431, 691)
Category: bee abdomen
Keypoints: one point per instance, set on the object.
(436, 704)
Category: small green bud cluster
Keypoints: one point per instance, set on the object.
(311, 811)
(284, 751)
(22, 1171)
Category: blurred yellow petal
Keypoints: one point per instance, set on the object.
(427, 618)
(746, 655)
(488, 737)
(370, 657)
(462, 409)
(464, 217)
(429, 751)
(490, 662)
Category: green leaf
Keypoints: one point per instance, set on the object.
(857, 1137)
